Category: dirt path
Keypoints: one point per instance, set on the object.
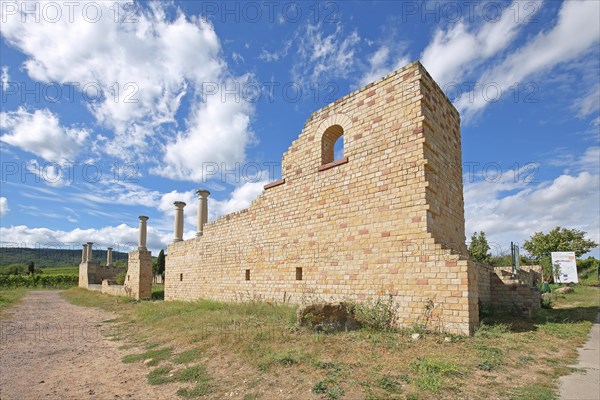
(50, 349)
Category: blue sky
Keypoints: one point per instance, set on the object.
(112, 110)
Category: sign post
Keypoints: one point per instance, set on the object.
(564, 267)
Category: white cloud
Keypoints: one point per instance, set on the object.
(324, 56)
(155, 61)
(40, 133)
(512, 210)
(575, 32)
(121, 237)
(454, 52)
(124, 237)
(217, 132)
(4, 77)
(380, 65)
(240, 199)
(3, 206)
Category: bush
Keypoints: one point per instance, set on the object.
(379, 314)
(45, 281)
(547, 300)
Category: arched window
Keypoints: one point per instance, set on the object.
(332, 144)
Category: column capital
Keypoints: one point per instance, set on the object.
(202, 193)
(109, 248)
(179, 204)
(90, 243)
(143, 218)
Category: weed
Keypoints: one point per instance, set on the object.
(329, 388)
(492, 331)
(159, 375)
(389, 384)
(533, 392)
(379, 314)
(432, 373)
(187, 356)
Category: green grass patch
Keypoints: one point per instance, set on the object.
(188, 356)
(533, 392)
(10, 297)
(196, 374)
(155, 356)
(432, 373)
(329, 388)
(490, 357)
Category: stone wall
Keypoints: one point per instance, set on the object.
(115, 290)
(138, 280)
(499, 290)
(91, 273)
(386, 219)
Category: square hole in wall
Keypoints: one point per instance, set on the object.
(298, 273)
(180, 277)
(247, 274)
(128, 278)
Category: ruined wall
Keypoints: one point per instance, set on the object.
(115, 290)
(138, 280)
(382, 220)
(91, 273)
(87, 274)
(498, 290)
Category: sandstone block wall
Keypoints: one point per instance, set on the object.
(138, 280)
(499, 290)
(115, 290)
(91, 273)
(386, 219)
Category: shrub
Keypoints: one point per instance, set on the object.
(377, 314)
(46, 281)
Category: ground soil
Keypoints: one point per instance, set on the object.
(50, 349)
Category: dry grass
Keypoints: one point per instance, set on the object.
(254, 351)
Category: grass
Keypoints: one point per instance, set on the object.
(210, 347)
(10, 297)
(155, 356)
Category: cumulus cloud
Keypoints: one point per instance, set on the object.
(3, 206)
(575, 33)
(143, 69)
(41, 133)
(121, 237)
(380, 64)
(459, 48)
(510, 209)
(217, 132)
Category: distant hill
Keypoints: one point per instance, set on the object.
(49, 258)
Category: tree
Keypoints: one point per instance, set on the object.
(160, 265)
(31, 268)
(540, 245)
(479, 248)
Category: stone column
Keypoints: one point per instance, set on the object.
(142, 233)
(179, 221)
(84, 253)
(89, 251)
(202, 210)
(109, 259)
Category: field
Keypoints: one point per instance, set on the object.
(254, 350)
(74, 270)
